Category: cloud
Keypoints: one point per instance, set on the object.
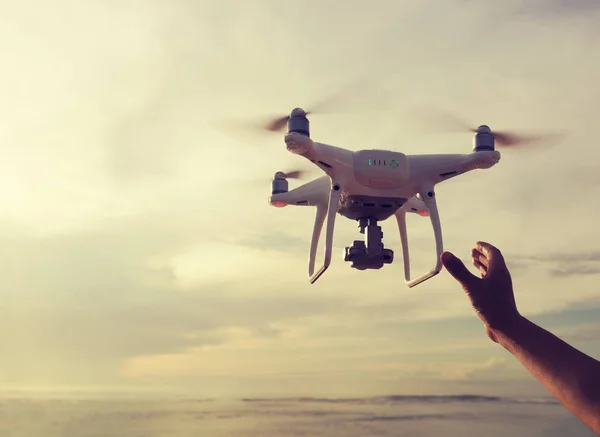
(135, 244)
(563, 9)
(400, 399)
(563, 257)
(108, 284)
(576, 271)
(120, 285)
(140, 142)
(565, 264)
(580, 332)
(455, 372)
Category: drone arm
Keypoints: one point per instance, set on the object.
(310, 194)
(441, 167)
(428, 196)
(327, 157)
(334, 197)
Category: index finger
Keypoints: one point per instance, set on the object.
(486, 248)
(493, 255)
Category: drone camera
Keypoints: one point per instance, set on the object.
(361, 259)
(484, 139)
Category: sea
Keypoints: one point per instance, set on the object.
(402, 415)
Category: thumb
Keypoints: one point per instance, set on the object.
(457, 269)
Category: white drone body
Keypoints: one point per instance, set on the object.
(370, 186)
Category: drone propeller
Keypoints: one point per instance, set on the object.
(278, 124)
(294, 174)
(245, 130)
(324, 106)
(328, 105)
(450, 123)
(346, 99)
(510, 139)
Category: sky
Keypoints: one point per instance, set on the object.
(138, 247)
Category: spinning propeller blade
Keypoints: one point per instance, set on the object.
(450, 123)
(346, 100)
(278, 124)
(294, 174)
(328, 105)
(509, 139)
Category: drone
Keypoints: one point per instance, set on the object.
(371, 186)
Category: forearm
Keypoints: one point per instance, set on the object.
(570, 375)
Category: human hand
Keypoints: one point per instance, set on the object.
(491, 294)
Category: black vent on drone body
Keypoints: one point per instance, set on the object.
(299, 123)
(484, 139)
(279, 184)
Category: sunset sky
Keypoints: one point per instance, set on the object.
(139, 250)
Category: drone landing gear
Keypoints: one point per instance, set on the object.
(428, 197)
(370, 253)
